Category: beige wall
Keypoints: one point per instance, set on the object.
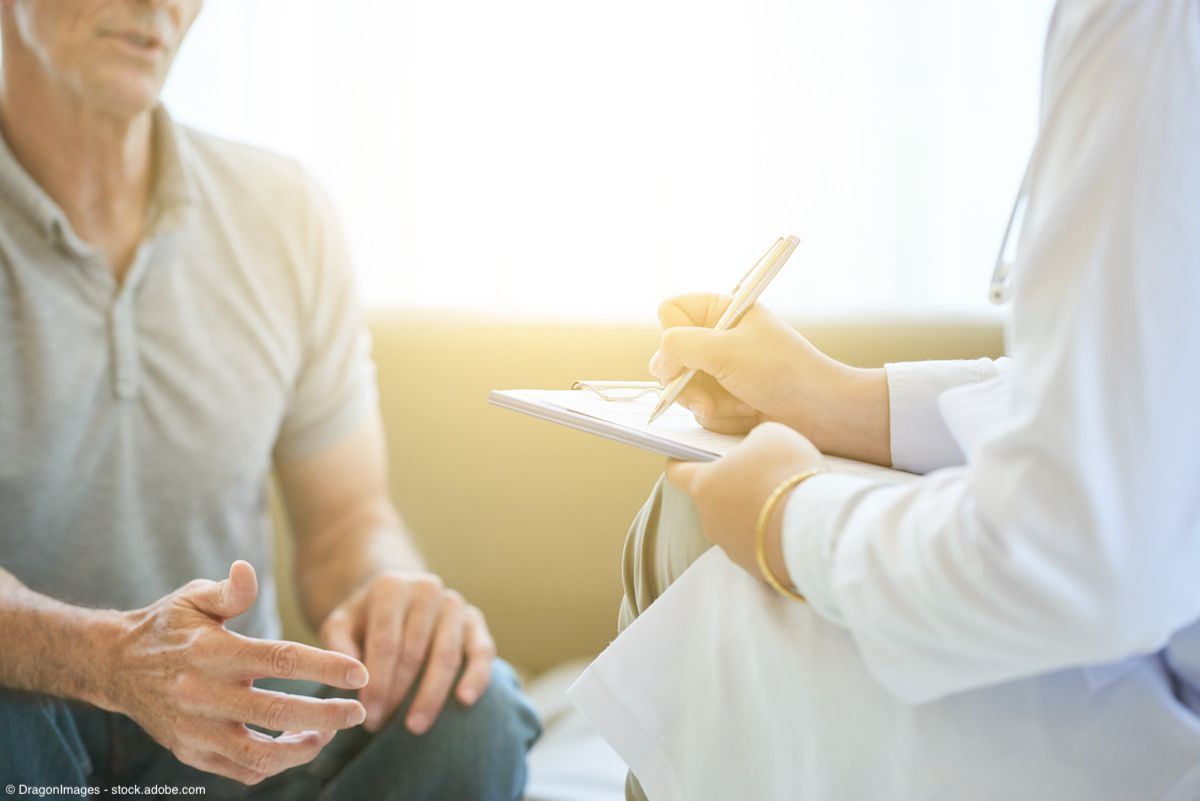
(527, 518)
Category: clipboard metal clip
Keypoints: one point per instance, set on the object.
(618, 391)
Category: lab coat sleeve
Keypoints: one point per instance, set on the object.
(1072, 536)
(921, 441)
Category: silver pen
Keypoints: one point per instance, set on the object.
(744, 294)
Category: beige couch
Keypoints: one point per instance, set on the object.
(527, 518)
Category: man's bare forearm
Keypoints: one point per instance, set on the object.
(332, 564)
(51, 647)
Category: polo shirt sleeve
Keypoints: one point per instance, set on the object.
(334, 389)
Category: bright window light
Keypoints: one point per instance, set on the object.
(561, 158)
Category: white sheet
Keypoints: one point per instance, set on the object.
(571, 762)
(723, 690)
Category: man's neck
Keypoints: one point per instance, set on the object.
(96, 166)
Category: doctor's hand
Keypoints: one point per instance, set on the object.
(763, 370)
(730, 492)
(401, 623)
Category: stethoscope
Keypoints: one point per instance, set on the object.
(998, 291)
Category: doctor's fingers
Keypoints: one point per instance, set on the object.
(703, 349)
(709, 401)
(698, 308)
(686, 476)
(706, 398)
(729, 425)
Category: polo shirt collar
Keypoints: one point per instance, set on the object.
(173, 194)
(28, 193)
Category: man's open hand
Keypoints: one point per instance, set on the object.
(403, 622)
(186, 680)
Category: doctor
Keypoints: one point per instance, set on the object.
(1058, 522)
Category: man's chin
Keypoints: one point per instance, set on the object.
(126, 96)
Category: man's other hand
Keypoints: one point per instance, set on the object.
(401, 623)
(187, 680)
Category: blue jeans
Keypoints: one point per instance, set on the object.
(470, 754)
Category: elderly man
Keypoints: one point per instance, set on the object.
(177, 316)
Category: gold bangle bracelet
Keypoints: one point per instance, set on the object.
(764, 522)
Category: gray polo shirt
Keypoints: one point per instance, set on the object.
(138, 423)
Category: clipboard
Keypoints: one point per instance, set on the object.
(618, 411)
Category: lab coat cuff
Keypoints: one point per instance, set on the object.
(811, 525)
(921, 442)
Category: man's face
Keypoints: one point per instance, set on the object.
(112, 54)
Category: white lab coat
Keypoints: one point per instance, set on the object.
(1071, 536)
(1022, 622)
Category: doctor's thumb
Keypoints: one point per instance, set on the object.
(682, 475)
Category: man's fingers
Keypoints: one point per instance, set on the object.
(480, 651)
(292, 660)
(211, 762)
(227, 598)
(339, 633)
(294, 736)
(387, 604)
(423, 615)
(282, 711)
(263, 754)
(441, 667)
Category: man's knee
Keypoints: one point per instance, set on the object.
(498, 730)
(664, 539)
(40, 743)
(483, 747)
(477, 752)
